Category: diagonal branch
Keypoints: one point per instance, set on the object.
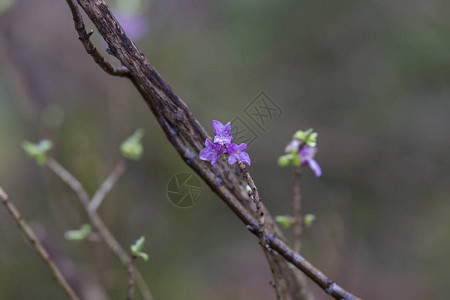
(107, 185)
(29, 233)
(85, 39)
(187, 136)
(254, 195)
(97, 222)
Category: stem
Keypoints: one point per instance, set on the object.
(107, 185)
(97, 222)
(131, 277)
(84, 37)
(254, 195)
(298, 218)
(29, 233)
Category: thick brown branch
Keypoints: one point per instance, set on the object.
(179, 125)
(29, 233)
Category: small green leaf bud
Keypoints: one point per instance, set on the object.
(284, 160)
(137, 247)
(142, 255)
(79, 234)
(296, 160)
(309, 219)
(285, 221)
(132, 147)
(38, 151)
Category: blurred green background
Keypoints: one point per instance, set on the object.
(372, 77)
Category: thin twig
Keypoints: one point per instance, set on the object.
(107, 185)
(85, 39)
(29, 233)
(298, 218)
(131, 277)
(97, 222)
(254, 195)
(256, 200)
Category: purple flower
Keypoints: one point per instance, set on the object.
(223, 132)
(222, 144)
(211, 152)
(237, 153)
(307, 158)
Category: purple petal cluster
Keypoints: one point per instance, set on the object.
(223, 145)
(307, 158)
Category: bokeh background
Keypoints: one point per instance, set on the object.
(372, 77)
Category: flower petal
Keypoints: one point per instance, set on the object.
(243, 156)
(214, 160)
(204, 154)
(231, 148)
(242, 147)
(232, 159)
(217, 127)
(227, 129)
(208, 143)
(315, 167)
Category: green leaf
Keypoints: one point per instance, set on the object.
(38, 151)
(312, 140)
(142, 255)
(296, 160)
(300, 135)
(132, 147)
(137, 246)
(285, 221)
(284, 160)
(309, 137)
(309, 219)
(78, 235)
